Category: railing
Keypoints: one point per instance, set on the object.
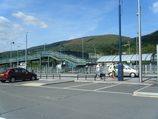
(56, 55)
(48, 76)
(89, 76)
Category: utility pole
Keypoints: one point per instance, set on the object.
(120, 65)
(140, 42)
(26, 52)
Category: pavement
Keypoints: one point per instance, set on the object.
(150, 82)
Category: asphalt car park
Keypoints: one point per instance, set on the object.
(98, 87)
(106, 85)
(74, 99)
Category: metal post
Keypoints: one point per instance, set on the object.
(11, 54)
(140, 43)
(136, 51)
(17, 55)
(129, 47)
(82, 49)
(26, 52)
(45, 48)
(157, 63)
(120, 65)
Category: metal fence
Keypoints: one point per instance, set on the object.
(146, 69)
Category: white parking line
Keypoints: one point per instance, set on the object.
(78, 85)
(2, 118)
(143, 88)
(86, 90)
(106, 87)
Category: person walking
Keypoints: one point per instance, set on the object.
(98, 71)
(113, 69)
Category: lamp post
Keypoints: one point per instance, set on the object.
(26, 51)
(120, 65)
(129, 47)
(17, 55)
(45, 48)
(94, 50)
(82, 49)
(140, 43)
(11, 54)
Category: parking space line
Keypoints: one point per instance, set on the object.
(78, 85)
(106, 87)
(86, 90)
(143, 88)
(114, 92)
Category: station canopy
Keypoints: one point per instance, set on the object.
(132, 57)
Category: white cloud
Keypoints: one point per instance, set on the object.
(30, 20)
(154, 7)
(8, 30)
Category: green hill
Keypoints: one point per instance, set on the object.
(101, 44)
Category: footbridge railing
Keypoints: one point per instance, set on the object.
(55, 55)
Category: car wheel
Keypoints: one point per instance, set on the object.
(33, 78)
(12, 79)
(3, 81)
(132, 74)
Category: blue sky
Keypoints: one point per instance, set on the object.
(49, 21)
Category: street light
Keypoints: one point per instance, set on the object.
(82, 49)
(140, 44)
(45, 48)
(129, 47)
(17, 55)
(11, 54)
(94, 50)
(120, 65)
(26, 51)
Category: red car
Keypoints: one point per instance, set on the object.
(12, 74)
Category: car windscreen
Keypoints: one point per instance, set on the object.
(3, 71)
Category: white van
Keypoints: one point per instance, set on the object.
(127, 71)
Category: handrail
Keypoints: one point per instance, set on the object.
(57, 55)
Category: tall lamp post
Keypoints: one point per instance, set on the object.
(45, 48)
(82, 48)
(140, 43)
(17, 55)
(129, 47)
(26, 51)
(11, 54)
(120, 65)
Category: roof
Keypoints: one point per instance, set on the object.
(132, 57)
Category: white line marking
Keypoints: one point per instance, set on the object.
(85, 90)
(143, 88)
(106, 87)
(78, 85)
(2, 118)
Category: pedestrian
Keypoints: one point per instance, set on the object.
(113, 69)
(98, 71)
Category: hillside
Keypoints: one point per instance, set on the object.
(104, 44)
(101, 44)
(91, 44)
(149, 43)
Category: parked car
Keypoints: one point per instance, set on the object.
(127, 71)
(12, 74)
